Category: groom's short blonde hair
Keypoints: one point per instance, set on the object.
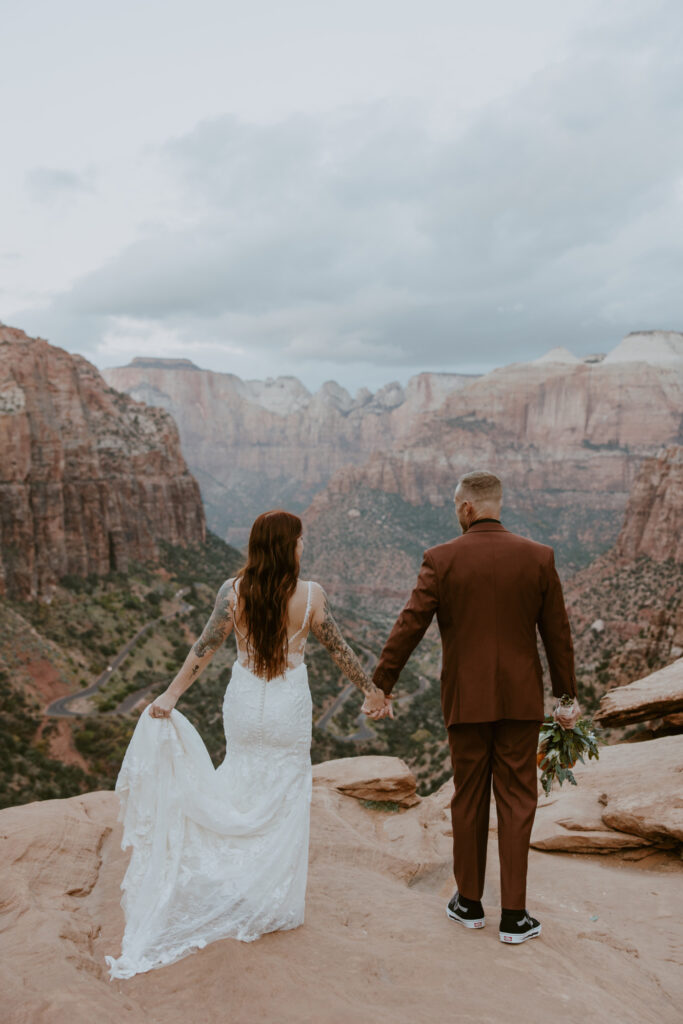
(481, 487)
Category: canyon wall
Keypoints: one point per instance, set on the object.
(255, 445)
(653, 525)
(626, 608)
(89, 478)
(566, 434)
(567, 438)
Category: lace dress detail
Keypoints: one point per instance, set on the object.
(223, 852)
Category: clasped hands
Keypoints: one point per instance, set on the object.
(378, 705)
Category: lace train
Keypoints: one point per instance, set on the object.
(223, 852)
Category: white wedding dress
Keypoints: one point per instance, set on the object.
(218, 852)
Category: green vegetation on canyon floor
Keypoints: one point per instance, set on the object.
(626, 622)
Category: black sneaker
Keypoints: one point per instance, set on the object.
(515, 930)
(472, 915)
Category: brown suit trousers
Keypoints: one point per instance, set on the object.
(503, 752)
(490, 590)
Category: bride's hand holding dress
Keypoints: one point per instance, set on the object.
(162, 706)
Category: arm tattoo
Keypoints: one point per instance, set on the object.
(329, 635)
(218, 626)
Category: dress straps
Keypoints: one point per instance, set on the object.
(235, 584)
(307, 613)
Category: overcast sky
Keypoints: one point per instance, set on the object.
(357, 191)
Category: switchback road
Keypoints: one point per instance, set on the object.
(61, 708)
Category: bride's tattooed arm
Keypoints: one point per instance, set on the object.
(218, 628)
(214, 634)
(328, 633)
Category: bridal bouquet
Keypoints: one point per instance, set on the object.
(559, 749)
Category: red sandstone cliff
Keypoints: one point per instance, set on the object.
(653, 525)
(627, 607)
(89, 478)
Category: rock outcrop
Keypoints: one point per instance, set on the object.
(558, 355)
(627, 607)
(376, 941)
(90, 479)
(374, 778)
(630, 798)
(658, 695)
(653, 524)
(663, 348)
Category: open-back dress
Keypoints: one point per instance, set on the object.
(218, 852)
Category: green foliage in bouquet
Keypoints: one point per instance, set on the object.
(559, 749)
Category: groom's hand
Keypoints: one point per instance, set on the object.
(567, 715)
(377, 705)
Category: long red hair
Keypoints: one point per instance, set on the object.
(267, 583)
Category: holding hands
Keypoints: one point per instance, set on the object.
(377, 705)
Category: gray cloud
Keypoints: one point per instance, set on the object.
(551, 217)
(50, 184)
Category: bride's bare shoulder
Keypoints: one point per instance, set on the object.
(318, 599)
(227, 591)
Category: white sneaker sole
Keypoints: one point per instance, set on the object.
(478, 923)
(512, 939)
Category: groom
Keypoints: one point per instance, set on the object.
(489, 590)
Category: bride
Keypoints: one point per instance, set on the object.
(223, 852)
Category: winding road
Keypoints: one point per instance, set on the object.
(344, 694)
(61, 708)
(337, 704)
(364, 730)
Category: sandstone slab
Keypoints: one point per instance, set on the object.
(35, 857)
(549, 838)
(657, 816)
(376, 943)
(383, 779)
(632, 792)
(656, 696)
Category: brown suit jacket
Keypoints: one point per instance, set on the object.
(489, 589)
